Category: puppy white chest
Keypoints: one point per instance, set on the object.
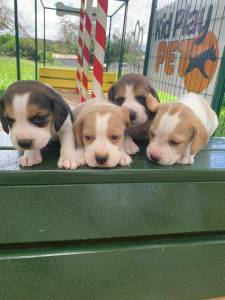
(194, 102)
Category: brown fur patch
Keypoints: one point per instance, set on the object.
(140, 85)
(9, 110)
(189, 130)
(85, 125)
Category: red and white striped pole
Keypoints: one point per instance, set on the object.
(99, 50)
(80, 47)
(86, 50)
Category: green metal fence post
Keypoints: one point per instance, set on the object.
(17, 40)
(123, 40)
(108, 46)
(150, 31)
(36, 46)
(219, 90)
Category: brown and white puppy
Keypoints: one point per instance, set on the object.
(180, 129)
(32, 113)
(99, 133)
(131, 92)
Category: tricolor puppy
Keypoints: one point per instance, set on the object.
(180, 129)
(131, 92)
(99, 133)
(32, 113)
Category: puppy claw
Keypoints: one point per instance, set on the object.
(126, 160)
(30, 159)
(187, 160)
(67, 162)
(130, 147)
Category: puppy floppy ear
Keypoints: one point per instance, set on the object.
(126, 116)
(199, 139)
(152, 103)
(60, 110)
(154, 94)
(77, 130)
(111, 93)
(3, 119)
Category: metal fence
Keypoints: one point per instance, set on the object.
(186, 43)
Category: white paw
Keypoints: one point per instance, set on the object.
(187, 160)
(67, 161)
(30, 158)
(125, 160)
(130, 146)
(80, 157)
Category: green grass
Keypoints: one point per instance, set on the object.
(8, 70)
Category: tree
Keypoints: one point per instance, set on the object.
(7, 20)
(68, 35)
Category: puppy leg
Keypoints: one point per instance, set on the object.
(30, 158)
(187, 159)
(67, 157)
(125, 160)
(130, 146)
(80, 157)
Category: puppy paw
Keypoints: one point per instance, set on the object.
(30, 158)
(130, 146)
(80, 158)
(68, 161)
(187, 160)
(125, 160)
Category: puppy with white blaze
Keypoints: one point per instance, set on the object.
(99, 133)
(180, 129)
(131, 92)
(32, 113)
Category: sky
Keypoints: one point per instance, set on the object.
(137, 10)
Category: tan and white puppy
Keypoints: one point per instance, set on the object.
(180, 129)
(131, 92)
(32, 113)
(99, 133)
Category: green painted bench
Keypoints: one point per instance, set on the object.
(143, 232)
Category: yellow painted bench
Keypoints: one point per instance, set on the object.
(66, 78)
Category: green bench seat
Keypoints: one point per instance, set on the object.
(142, 232)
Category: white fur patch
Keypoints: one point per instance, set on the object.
(167, 125)
(102, 145)
(132, 104)
(201, 109)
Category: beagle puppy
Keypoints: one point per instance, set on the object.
(131, 92)
(32, 113)
(180, 129)
(99, 130)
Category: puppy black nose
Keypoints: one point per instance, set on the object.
(101, 159)
(25, 143)
(133, 115)
(155, 158)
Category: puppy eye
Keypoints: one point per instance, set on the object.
(174, 143)
(119, 101)
(10, 121)
(115, 138)
(89, 138)
(141, 98)
(38, 120)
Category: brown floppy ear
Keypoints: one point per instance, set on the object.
(77, 130)
(3, 119)
(111, 93)
(126, 116)
(200, 138)
(152, 103)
